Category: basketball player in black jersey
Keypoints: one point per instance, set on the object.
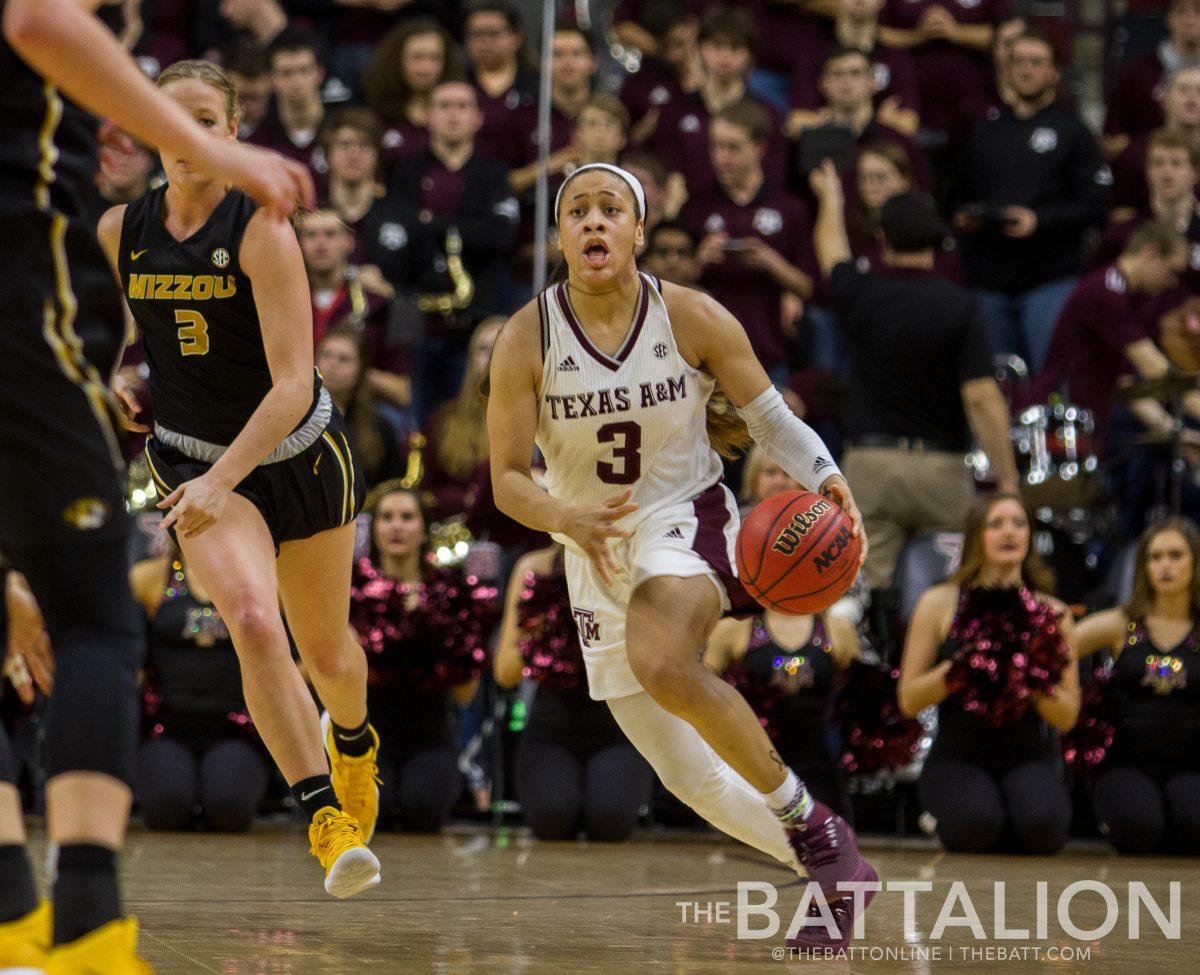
(62, 520)
(252, 458)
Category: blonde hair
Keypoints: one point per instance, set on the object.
(211, 75)
(462, 442)
(727, 431)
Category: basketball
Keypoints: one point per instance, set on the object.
(796, 553)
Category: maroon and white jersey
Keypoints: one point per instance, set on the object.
(635, 419)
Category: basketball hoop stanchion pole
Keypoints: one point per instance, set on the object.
(541, 205)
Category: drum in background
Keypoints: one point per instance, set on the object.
(1056, 455)
(1055, 448)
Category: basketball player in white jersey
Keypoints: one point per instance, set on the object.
(610, 375)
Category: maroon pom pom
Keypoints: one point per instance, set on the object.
(549, 641)
(876, 736)
(432, 635)
(1011, 652)
(1086, 745)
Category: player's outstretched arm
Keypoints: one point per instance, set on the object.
(64, 43)
(512, 418)
(710, 337)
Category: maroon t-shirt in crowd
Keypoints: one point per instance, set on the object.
(1133, 106)
(1113, 242)
(501, 136)
(524, 122)
(783, 32)
(270, 134)
(774, 216)
(404, 140)
(893, 69)
(681, 139)
(167, 34)
(441, 189)
(950, 78)
(1129, 174)
(1087, 352)
(653, 86)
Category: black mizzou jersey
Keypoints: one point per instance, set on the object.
(47, 144)
(195, 309)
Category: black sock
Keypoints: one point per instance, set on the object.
(85, 892)
(353, 742)
(18, 895)
(314, 794)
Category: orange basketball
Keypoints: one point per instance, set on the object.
(796, 553)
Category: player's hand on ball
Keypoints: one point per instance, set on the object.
(591, 527)
(195, 506)
(836, 489)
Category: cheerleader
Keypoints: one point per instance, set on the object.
(575, 767)
(426, 632)
(201, 749)
(788, 667)
(995, 764)
(1148, 789)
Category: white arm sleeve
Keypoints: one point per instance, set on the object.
(788, 440)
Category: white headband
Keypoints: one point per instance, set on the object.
(631, 181)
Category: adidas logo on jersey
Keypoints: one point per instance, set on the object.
(568, 365)
(675, 532)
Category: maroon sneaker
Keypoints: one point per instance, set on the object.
(817, 936)
(828, 850)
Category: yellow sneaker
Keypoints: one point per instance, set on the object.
(355, 778)
(25, 942)
(337, 843)
(110, 950)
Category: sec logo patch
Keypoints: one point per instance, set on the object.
(220, 258)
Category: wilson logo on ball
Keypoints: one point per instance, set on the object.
(829, 555)
(789, 539)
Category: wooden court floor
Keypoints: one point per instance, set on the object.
(499, 902)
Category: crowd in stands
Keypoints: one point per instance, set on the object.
(934, 254)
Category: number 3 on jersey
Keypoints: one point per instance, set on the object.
(626, 439)
(193, 332)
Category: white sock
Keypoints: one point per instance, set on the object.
(782, 797)
(791, 802)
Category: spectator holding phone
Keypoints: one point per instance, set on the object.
(1032, 184)
(755, 236)
(850, 119)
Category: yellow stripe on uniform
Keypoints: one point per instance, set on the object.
(349, 464)
(347, 497)
(47, 150)
(58, 327)
(159, 483)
